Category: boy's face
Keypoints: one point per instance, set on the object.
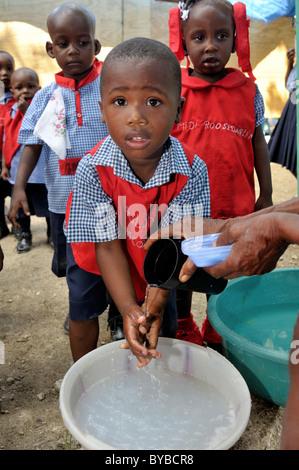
(209, 40)
(140, 104)
(73, 44)
(6, 69)
(24, 84)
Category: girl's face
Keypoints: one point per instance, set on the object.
(209, 41)
(6, 69)
(140, 104)
(24, 84)
(73, 45)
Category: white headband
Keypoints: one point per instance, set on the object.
(184, 13)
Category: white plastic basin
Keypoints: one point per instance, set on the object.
(193, 398)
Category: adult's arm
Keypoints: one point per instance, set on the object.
(231, 233)
(257, 244)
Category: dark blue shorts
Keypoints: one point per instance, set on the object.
(37, 196)
(170, 318)
(88, 296)
(59, 244)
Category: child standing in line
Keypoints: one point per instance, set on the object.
(141, 163)
(24, 85)
(7, 65)
(65, 120)
(283, 142)
(221, 119)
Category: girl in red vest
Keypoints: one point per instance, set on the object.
(221, 118)
(7, 66)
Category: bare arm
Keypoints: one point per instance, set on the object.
(28, 161)
(257, 244)
(5, 173)
(262, 168)
(291, 57)
(231, 234)
(141, 328)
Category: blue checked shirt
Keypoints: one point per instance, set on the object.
(93, 217)
(259, 107)
(82, 138)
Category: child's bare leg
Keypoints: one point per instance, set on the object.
(83, 337)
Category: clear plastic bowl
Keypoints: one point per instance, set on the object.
(202, 252)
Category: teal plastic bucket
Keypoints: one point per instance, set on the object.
(255, 317)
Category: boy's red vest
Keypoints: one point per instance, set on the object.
(11, 131)
(69, 165)
(136, 226)
(218, 122)
(3, 108)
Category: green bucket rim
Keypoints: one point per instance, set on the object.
(234, 338)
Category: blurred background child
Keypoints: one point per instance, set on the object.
(221, 120)
(7, 66)
(24, 85)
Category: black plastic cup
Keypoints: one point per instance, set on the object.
(163, 263)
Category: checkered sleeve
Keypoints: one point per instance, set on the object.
(259, 108)
(92, 215)
(194, 199)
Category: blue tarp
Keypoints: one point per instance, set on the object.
(268, 10)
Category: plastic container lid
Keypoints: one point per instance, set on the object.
(202, 252)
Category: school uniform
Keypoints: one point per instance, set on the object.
(6, 101)
(104, 178)
(77, 118)
(36, 190)
(283, 141)
(65, 119)
(218, 122)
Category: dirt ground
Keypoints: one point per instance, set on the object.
(33, 307)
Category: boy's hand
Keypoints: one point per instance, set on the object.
(19, 199)
(141, 333)
(23, 104)
(5, 174)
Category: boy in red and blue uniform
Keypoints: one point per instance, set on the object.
(124, 179)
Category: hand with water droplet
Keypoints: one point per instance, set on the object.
(141, 335)
(142, 326)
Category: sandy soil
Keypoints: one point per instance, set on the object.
(34, 304)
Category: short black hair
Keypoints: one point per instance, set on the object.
(26, 70)
(9, 55)
(73, 8)
(144, 49)
(225, 5)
